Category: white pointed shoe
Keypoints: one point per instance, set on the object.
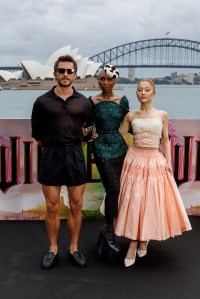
(128, 262)
(142, 253)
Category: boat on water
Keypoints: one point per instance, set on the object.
(1, 88)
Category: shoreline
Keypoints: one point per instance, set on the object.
(89, 83)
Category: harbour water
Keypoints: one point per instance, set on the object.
(180, 101)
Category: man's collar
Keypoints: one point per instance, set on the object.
(51, 93)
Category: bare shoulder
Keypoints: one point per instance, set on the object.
(136, 114)
(130, 115)
(164, 114)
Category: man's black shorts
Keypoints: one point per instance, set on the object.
(62, 165)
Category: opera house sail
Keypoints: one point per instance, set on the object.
(33, 70)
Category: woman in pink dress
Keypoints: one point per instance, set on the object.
(150, 205)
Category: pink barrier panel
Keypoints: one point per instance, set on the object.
(20, 193)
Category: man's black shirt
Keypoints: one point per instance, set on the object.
(58, 122)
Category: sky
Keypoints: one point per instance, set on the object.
(33, 30)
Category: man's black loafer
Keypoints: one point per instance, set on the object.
(49, 260)
(77, 258)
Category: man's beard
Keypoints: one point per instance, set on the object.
(66, 84)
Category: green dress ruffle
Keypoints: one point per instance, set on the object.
(108, 116)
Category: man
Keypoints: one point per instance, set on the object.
(57, 120)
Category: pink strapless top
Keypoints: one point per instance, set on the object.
(147, 132)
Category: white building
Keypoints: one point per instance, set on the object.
(34, 70)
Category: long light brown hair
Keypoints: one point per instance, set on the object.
(148, 80)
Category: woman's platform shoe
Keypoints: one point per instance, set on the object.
(101, 242)
(110, 239)
(106, 246)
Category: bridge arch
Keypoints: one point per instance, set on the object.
(160, 52)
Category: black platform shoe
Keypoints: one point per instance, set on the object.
(106, 246)
(110, 239)
(101, 242)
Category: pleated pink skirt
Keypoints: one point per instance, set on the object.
(150, 205)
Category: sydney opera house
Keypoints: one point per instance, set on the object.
(32, 70)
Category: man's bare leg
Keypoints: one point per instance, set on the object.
(75, 215)
(52, 221)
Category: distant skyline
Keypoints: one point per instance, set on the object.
(32, 31)
(159, 72)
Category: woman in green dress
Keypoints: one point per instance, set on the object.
(109, 149)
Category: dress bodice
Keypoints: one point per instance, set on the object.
(108, 116)
(147, 132)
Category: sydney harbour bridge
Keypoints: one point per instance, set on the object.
(150, 53)
(153, 53)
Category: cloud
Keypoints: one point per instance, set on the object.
(34, 31)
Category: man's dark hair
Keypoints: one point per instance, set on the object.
(65, 58)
